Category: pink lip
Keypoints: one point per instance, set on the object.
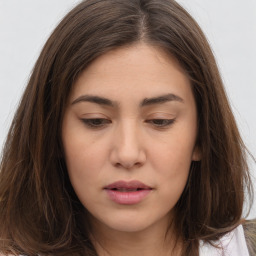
(131, 192)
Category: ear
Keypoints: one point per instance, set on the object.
(196, 155)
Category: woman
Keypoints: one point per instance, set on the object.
(124, 142)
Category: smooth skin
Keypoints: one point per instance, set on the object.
(131, 116)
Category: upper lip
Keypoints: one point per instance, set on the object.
(134, 184)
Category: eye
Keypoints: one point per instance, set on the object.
(161, 123)
(96, 122)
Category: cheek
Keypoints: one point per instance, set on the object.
(173, 170)
(174, 156)
(86, 161)
(83, 170)
(81, 152)
(83, 161)
(172, 160)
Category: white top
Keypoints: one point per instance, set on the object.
(233, 244)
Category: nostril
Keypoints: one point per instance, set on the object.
(127, 159)
(128, 166)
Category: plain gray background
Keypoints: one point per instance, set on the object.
(230, 26)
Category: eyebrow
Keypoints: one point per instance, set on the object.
(146, 102)
(95, 99)
(161, 99)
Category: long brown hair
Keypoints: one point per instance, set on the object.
(39, 211)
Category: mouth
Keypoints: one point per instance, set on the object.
(128, 186)
(127, 193)
(127, 189)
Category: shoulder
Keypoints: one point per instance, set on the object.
(250, 235)
(232, 244)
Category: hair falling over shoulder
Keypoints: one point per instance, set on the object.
(39, 211)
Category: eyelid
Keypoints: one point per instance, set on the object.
(96, 123)
(95, 120)
(161, 120)
(94, 116)
(160, 115)
(156, 122)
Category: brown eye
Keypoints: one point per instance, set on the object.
(161, 122)
(96, 122)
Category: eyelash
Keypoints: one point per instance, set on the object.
(161, 123)
(95, 123)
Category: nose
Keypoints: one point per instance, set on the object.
(127, 147)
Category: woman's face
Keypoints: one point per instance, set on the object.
(129, 135)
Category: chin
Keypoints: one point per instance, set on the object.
(132, 222)
(128, 227)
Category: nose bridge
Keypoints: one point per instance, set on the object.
(128, 132)
(127, 149)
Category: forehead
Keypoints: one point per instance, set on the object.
(139, 70)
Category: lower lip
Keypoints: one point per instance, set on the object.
(128, 198)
